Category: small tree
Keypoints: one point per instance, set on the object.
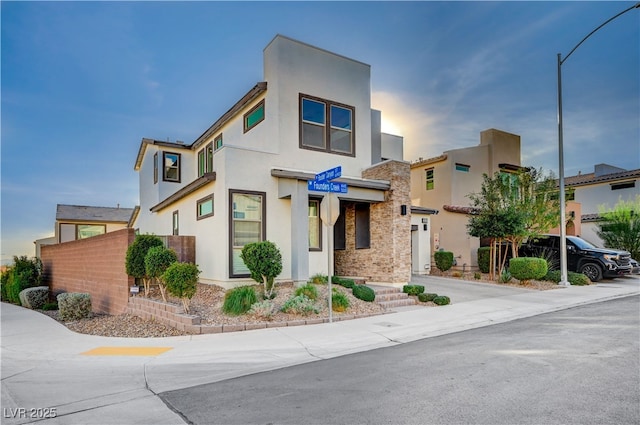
(24, 273)
(182, 281)
(136, 253)
(156, 262)
(444, 260)
(527, 268)
(264, 261)
(620, 227)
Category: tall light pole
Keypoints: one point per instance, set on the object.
(563, 229)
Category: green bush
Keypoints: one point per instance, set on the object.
(527, 268)
(239, 300)
(577, 279)
(444, 260)
(309, 290)
(319, 279)
(426, 297)
(263, 309)
(299, 304)
(364, 293)
(74, 306)
(441, 300)
(484, 257)
(264, 261)
(156, 262)
(413, 289)
(22, 274)
(477, 275)
(182, 281)
(134, 259)
(339, 301)
(50, 306)
(505, 276)
(347, 283)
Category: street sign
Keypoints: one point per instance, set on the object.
(329, 175)
(327, 186)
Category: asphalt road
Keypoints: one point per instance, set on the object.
(576, 366)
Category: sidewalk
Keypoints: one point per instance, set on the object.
(46, 366)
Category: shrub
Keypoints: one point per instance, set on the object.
(309, 290)
(426, 297)
(339, 301)
(50, 306)
(527, 268)
(441, 300)
(239, 300)
(319, 279)
(74, 306)
(264, 261)
(34, 298)
(456, 274)
(477, 275)
(505, 276)
(182, 281)
(299, 304)
(413, 289)
(263, 309)
(364, 293)
(577, 279)
(347, 283)
(136, 254)
(156, 262)
(444, 260)
(484, 256)
(22, 274)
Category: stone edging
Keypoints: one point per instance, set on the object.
(174, 316)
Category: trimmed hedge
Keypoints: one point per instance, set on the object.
(364, 293)
(425, 297)
(74, 306)
(444, 260)
(347, 283)
(413, 289)
(577, 279)
(34, 298)
(528, 268)
(441, 300)
(484, 257)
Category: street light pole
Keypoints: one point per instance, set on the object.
(563, 229)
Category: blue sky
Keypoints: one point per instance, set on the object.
(84, 82)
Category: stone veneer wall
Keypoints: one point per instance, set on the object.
(388, 260)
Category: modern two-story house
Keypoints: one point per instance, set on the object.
(244, 179)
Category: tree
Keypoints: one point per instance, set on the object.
(182, 281)
(156, 262)
(264, 261)
(136, 253)
(620, 227)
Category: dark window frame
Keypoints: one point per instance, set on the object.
(363, 226)
(340, 230)
(318, 228)
(462, 167)
(165, 168)
(217, 142)
(155, 168)
(231, 226)
(327, 125)
(246, 127)
(202, 201)
(623, 185)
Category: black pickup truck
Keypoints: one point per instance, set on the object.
(582, 257)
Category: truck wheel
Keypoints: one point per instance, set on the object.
(592, 271)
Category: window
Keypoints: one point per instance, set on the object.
(217, 144)
(623, 185)
(175, 225)
(254, 117)
(340, 231)
(84, 231)
(205, 159)
(155, 168)
(363, 236)
(171, 163)
(204, 207)
(326, 126)
(429, 175)
(315, 228)
(246, 213)
(462, 167)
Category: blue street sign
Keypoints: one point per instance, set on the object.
(327, 186)
(329, 175)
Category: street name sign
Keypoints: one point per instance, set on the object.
(329, 175)
(327, 186)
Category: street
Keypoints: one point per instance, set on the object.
(575, 366)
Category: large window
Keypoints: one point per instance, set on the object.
(429, 178)
(204, 207)
(171, 164)
(315, 228)
(363, 234)
(254, 117)
(205, 159)
(247, 215)
(327, 126)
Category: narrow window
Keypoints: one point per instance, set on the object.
(205, 160)
(176, 227)
(326, 125)
(217, 142)
(363, 236)
(254, 117)
(171, 171)
(84, 231)
(247, 218)
(201, 163)
(204, 207)
(340, 231)
(623, 185)
(315, 234)
(430, 181)
(462, 167)
(155, 168)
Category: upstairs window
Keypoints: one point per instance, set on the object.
(217, 144)
(155, 168)
(326, 125)
(204, 207)
(462, 167)
(429, 178)
(205, 159)
(171, 172)
(623, 185)
(254, 117)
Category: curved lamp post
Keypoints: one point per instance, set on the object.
(563, 230)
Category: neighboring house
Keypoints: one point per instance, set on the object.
(245, 178)
(445, 182)
(75, 222)
(602, 189)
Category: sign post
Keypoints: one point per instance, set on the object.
(329, 213)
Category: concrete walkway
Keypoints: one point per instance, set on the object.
(48, 370)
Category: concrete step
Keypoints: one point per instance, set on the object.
(390, 297)
(397, 303)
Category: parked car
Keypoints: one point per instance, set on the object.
(582, 257)
(635, 267)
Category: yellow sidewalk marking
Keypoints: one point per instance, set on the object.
(127, 351)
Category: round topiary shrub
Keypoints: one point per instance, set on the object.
(136, 253)
(264, 261)
(425, 297)
(578, 279)
(528, 268)
(239, 300)
(413, 289)
(364, 293)
(441, 300)
(339, 301)
(182, 281)
(444, 260)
